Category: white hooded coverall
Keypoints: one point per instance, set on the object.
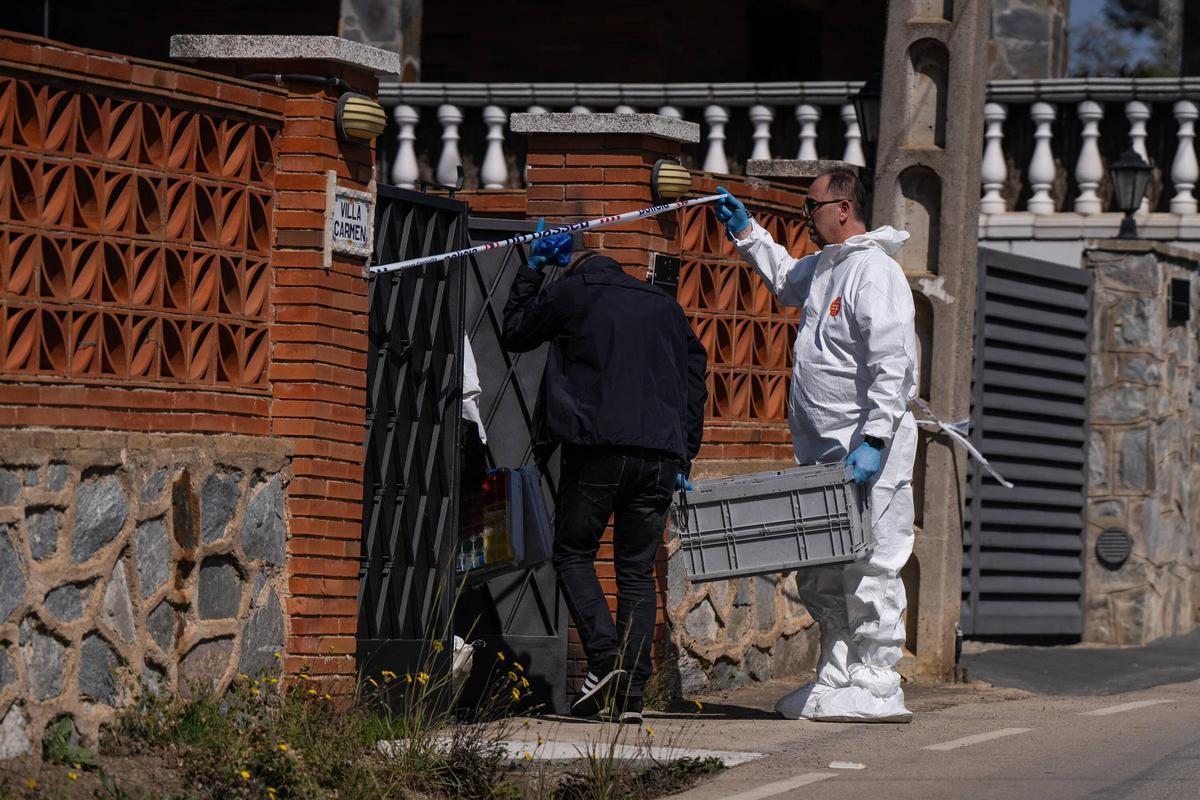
(854, 373)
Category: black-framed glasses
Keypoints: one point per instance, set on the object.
(811, 206)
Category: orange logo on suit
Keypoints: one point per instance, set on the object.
(835, 307)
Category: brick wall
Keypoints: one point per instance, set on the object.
(161, 270)
(135, 240)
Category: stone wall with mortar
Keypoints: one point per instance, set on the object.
(1144, 448)
(725, 634)
(1029, 39)
(133, 563)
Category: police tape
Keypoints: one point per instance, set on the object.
(956, 431)
(590, 224)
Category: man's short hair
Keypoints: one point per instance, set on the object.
(844, 183)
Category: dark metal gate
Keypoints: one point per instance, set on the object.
(414, 396)
(519, 611)
(1023, 548)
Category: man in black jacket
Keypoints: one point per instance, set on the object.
(623, 394)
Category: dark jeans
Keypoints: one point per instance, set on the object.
(633, 486)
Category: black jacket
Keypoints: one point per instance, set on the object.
(623, 368)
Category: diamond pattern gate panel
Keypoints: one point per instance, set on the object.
(519, 611)
(414, 398)
(1023, 548)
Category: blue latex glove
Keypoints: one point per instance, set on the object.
(681, 482)
(554, 249)
(731, 211)
(865, 461)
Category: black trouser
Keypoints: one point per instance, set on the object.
(635, 487)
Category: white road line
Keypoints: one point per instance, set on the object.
(976, 739)
(779, 787)
(1104, 712)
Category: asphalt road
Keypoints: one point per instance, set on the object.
(1143, 744)
(1061, 723)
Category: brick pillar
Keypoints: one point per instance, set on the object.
(583, 166)
(318, 333)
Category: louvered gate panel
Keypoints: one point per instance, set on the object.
(1023, 548)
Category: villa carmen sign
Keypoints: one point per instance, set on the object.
(349, 221)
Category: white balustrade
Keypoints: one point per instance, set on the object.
(1041, 166)
(761, 116)
(808, 116)
(1184, 169)
(1089, 169)
(1144, 103)
(494, 171)
(450, 160)
(853, 153)
(993, 170)
(406, 171)
(1138, 113)
(715, 161)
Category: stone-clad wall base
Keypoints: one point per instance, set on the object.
(728, 633)
(133, 562)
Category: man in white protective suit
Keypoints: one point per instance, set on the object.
(854, 372)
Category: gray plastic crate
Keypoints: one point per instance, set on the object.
(773, 522)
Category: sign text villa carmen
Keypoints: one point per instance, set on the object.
(349, 221)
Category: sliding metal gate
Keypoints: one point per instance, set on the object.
(414, 397)
(1023, 548)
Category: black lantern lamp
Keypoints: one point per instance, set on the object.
(1130, 176)
(866, 108)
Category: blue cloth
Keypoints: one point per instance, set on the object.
(731, 211)
(554, 249)
(681, 482)
(865, 460)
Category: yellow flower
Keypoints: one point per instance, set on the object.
(524, 683)
(278, 655)
(525, 724)
(77, 766)
(649, 731)
(499, 655)
(312, 692)
(699, 705)
(73, 776)
(245, 775)
(388, 674)
(541, 741)
(407, 678)
(31, 784)
(283, 748)
(528, 756)
(423, 678)
(274, 681)
(437, 645)
(327, 697)
(372, 682)
(304, 677)
(271, 792)
(255, 692)
(517, 666)
(516, 693)
(243, 677)
(512, 676)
